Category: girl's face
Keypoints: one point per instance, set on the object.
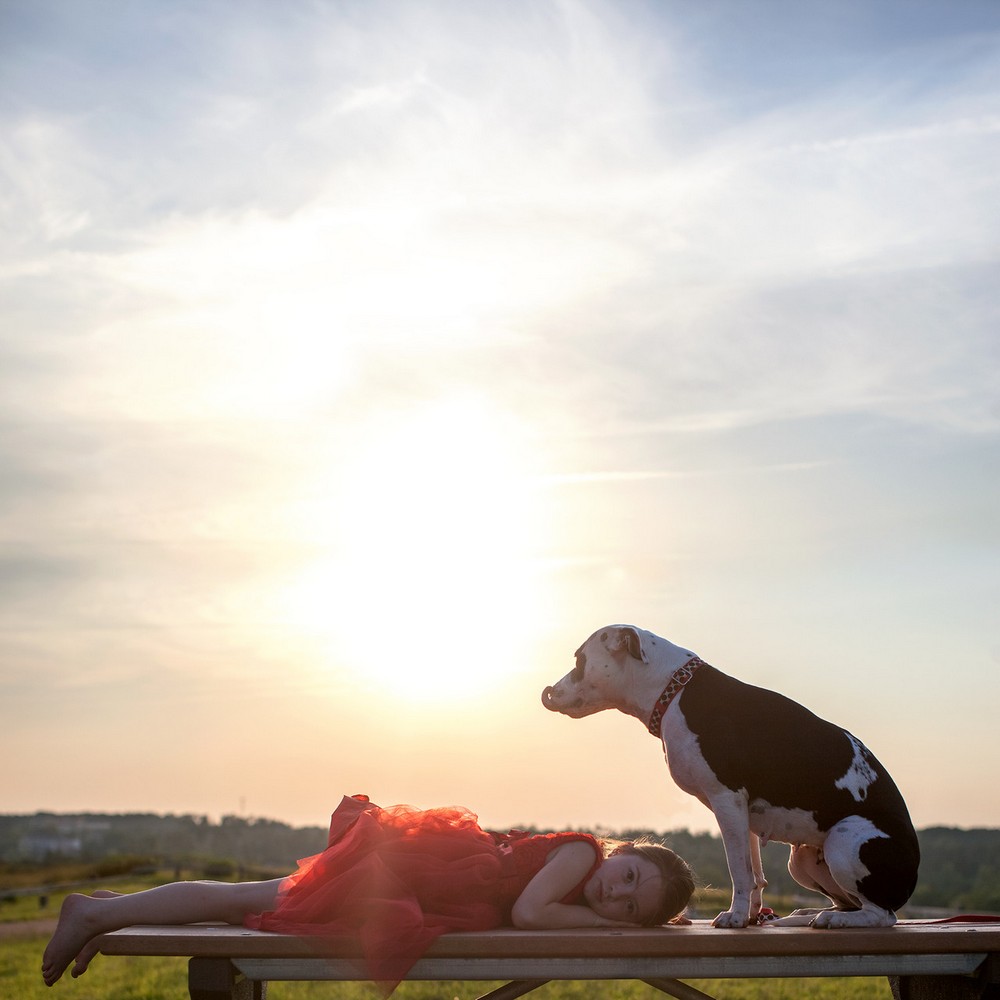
(625, 887)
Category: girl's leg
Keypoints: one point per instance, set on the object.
(84, 917)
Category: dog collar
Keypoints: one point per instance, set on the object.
(678, 679)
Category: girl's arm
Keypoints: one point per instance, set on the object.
(538, 906)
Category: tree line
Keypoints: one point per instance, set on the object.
(959, 870)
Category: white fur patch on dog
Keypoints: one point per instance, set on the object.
(789, 826)
(860, 774)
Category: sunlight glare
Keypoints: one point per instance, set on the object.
(429, 594)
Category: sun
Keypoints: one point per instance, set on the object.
(430, 592)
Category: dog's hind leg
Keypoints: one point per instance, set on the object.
(842, 859)
(807, 865)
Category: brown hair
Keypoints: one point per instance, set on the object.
(678, 876)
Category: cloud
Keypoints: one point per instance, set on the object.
(708, 289)
(531, 219)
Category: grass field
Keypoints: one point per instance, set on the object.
(123, 978)
(166, 979)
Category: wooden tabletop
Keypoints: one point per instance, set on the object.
(696, 940)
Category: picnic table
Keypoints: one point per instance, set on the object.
(923, 960)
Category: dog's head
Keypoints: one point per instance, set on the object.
(599, 679)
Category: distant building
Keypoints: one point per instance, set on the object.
(50, 836)
(39, 846)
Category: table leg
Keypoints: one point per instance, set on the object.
(219, 979)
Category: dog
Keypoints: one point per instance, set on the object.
(767, 768)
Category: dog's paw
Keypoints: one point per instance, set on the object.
(796, 919)
(731, 919)
(868, 916)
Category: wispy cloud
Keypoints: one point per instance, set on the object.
(679, 285)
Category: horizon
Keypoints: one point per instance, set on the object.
(217, 821)
(361, 360)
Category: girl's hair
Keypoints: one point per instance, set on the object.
(678, 876)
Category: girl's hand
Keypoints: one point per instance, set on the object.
(539, 907)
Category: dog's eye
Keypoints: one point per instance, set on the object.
(577, 672)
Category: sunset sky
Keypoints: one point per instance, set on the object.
(359, 359)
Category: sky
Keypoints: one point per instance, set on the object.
(359, 359)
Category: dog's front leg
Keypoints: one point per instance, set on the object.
(732, 813)
(759, 882)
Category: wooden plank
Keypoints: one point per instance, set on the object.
(636, 967)
(698, 940)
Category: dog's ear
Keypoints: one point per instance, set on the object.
(634, 645)
(627, 640)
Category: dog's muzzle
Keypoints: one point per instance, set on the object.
(555, 702)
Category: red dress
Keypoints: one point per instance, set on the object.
(397, 878)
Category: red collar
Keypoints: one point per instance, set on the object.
(675, 685)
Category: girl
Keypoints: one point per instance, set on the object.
(399, 877)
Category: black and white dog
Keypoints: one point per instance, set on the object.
(767, 767)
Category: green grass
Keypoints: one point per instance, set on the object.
(125, 978)
(128, 978)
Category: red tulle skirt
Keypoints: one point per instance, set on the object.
(394, 878)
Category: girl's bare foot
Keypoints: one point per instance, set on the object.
(89, 950)
(77, 925)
